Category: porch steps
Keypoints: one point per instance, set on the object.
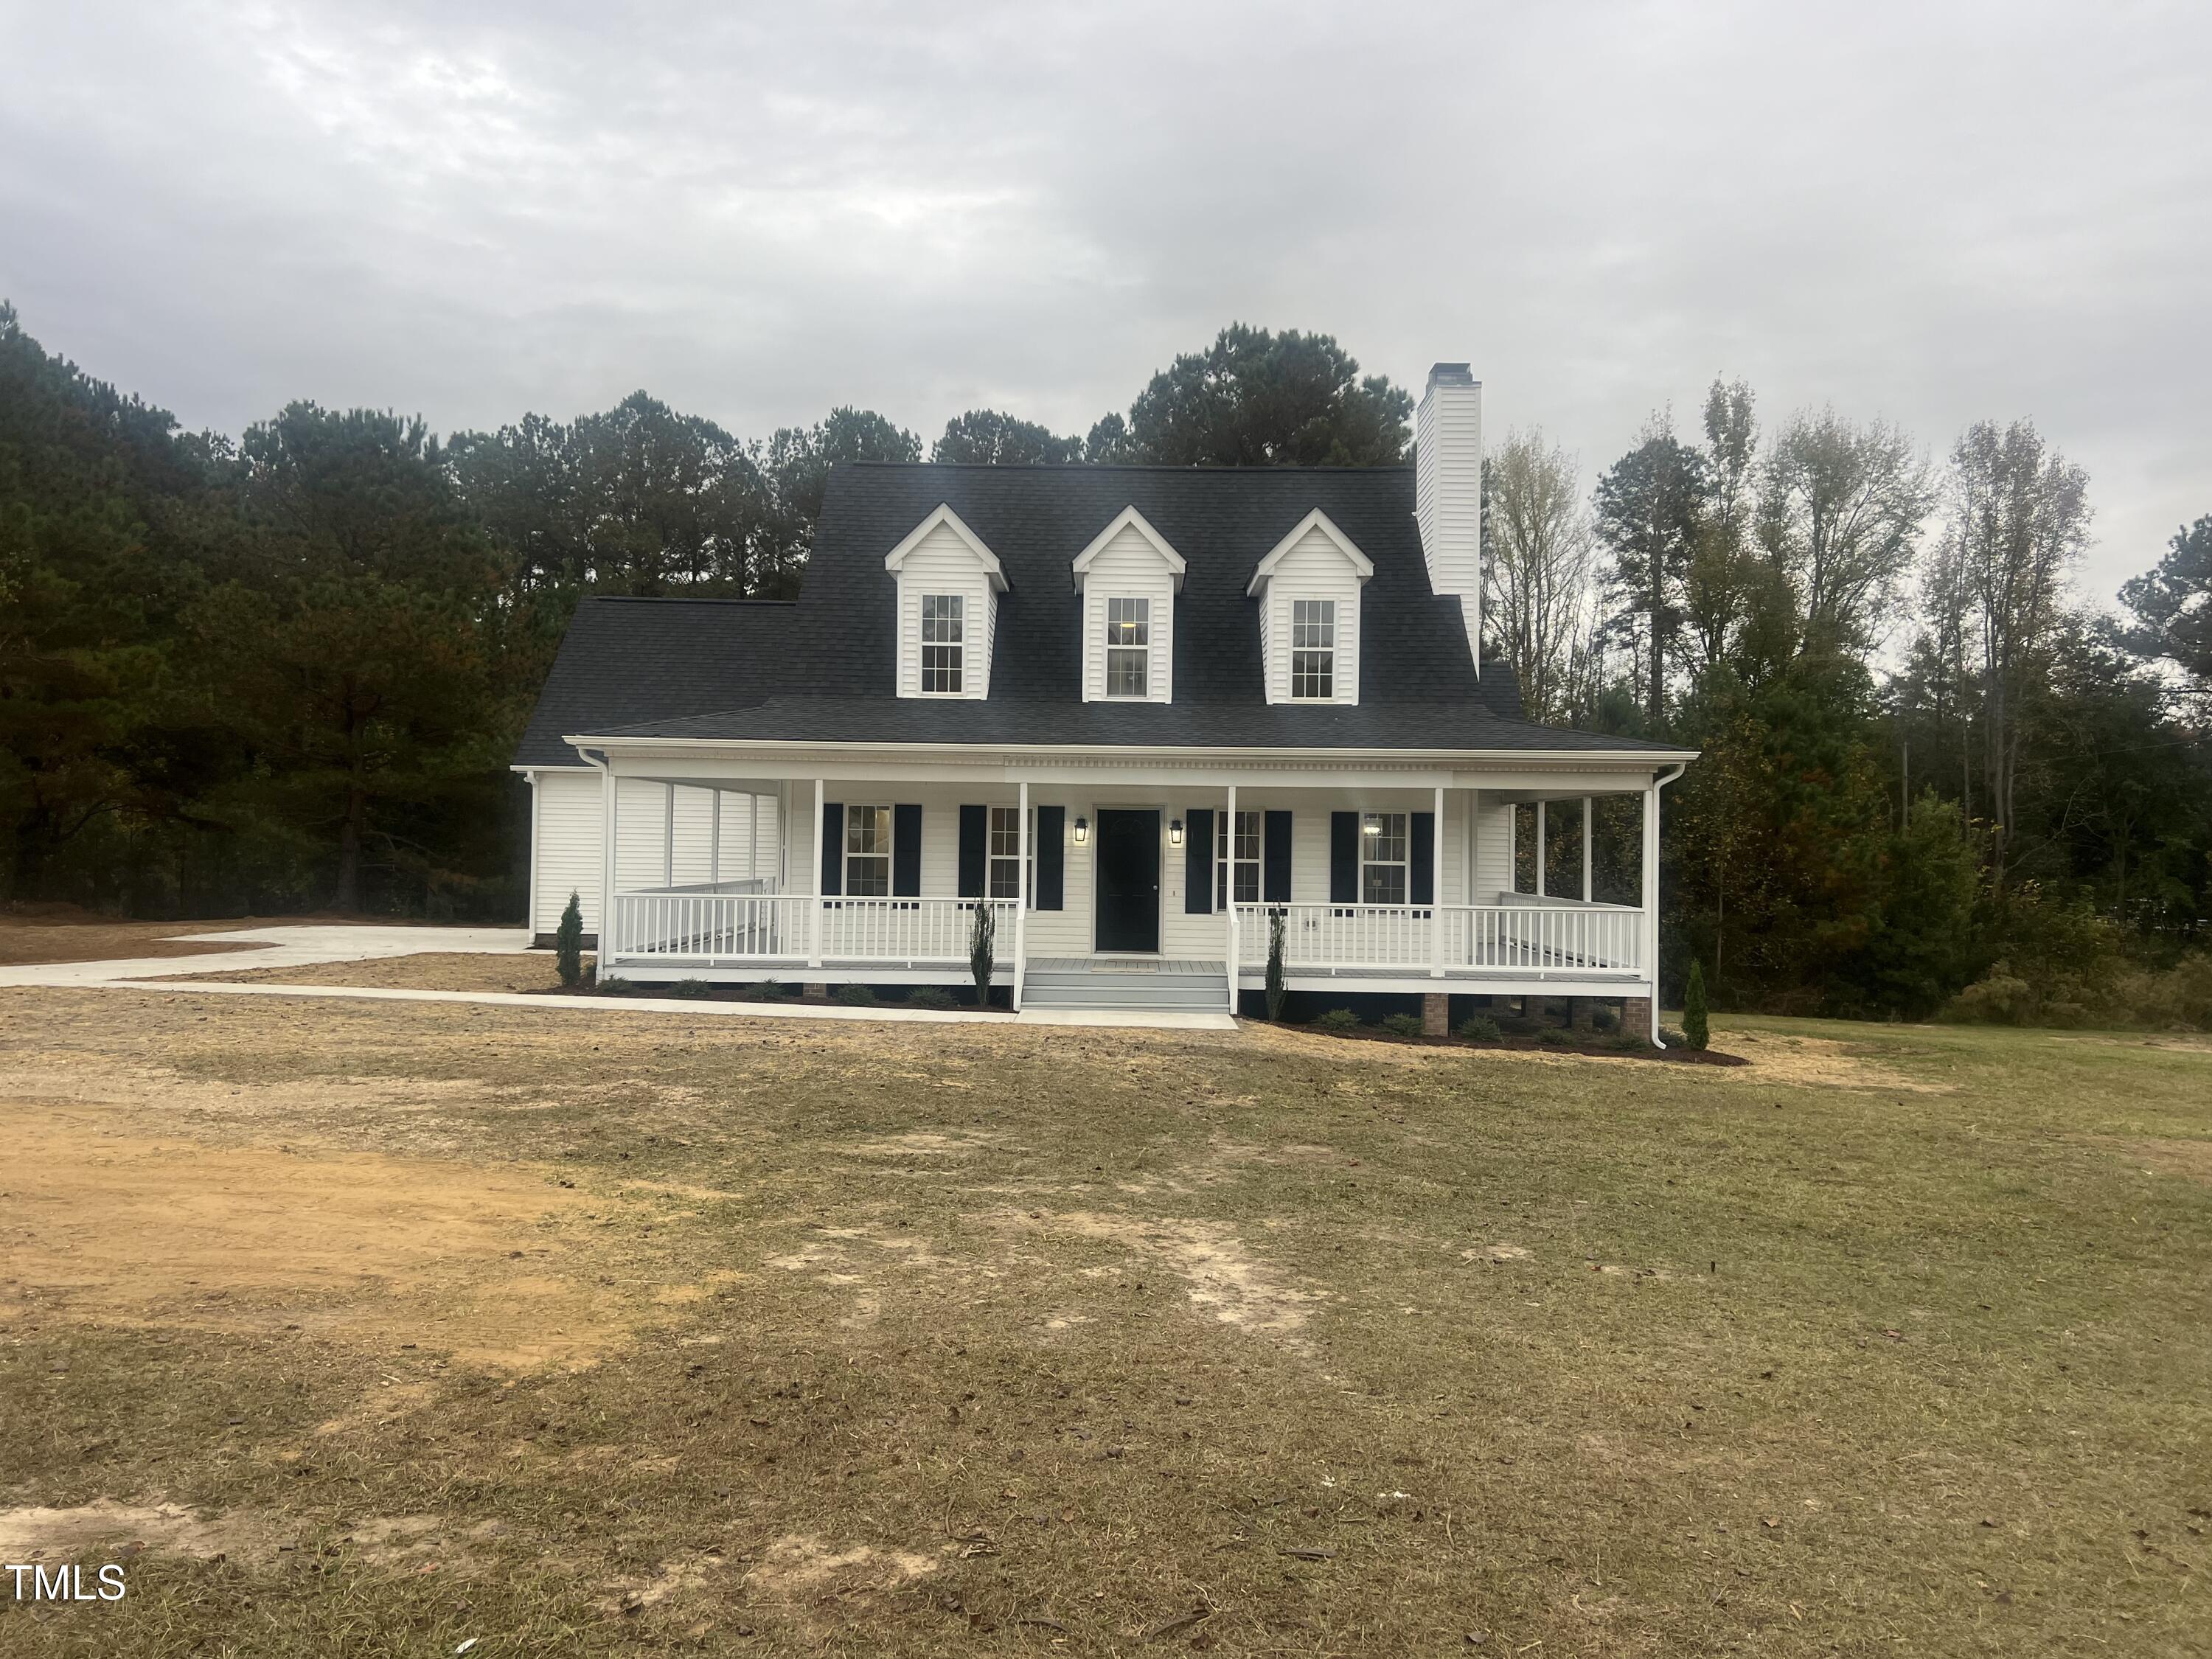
(1083, 988)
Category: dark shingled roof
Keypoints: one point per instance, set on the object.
(824, 669)
(623, 661)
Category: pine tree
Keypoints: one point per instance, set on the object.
(1696, 1030)
(569, 943)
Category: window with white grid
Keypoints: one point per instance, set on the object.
(1313, 649)
(1005, 851)
(1237, 854)
(1383, 857)
(1129, 647)
(943, 642)
(868, 851)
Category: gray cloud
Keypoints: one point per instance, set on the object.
(1931, 212)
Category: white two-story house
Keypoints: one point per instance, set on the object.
(1146, 715)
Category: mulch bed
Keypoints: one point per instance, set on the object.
(746, 994)
(1601, 1048)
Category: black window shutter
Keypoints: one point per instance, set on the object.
(1344, 858)
(906, 851)
(1275, 870)
(1198, 863)
(1421, 879)
(833, 847)
(974, 849)
(1051, 857)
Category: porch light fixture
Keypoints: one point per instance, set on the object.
(1082, 831)
(1174, 832)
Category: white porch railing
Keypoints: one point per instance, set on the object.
(1554, 936)
(704, 928)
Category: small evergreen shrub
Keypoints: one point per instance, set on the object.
(1673, 1038)
(981, 934)
(690, 988)
(769, 991)
(855, 996)
(1480, 1028)
(1402, 1025)
(930, 996)
(1697, 1030)
(569, 943)
(1337, 1020)
(1629, 1043)
(615, 986)
(1277, 993)
(1556, 1037)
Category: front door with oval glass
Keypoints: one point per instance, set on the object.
(1128, 880)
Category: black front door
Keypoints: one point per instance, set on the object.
(1128, 881)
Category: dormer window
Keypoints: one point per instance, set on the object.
(1310, 591)
(1313, 649)
(944, 644)
(1129, 646)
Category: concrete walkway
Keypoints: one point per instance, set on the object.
(299, 947)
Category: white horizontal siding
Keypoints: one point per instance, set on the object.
(567, 805)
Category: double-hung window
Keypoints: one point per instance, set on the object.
(868, 851)
(1005, 874)
(1383, 857)
(1313, 649)
(943, 642)
(1236, 859)
(1129, 647)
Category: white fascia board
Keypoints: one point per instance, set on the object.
(1129, 519)
(945, 517)
(1610, 760)
(1316, 520)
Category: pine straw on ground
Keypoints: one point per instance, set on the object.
(385, 1327)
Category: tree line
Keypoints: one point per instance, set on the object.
(284, 673)
(1933, 775)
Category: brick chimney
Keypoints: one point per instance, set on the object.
(1448, 491)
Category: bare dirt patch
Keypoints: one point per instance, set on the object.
(1776, 1057)
(33, 1533)
(1223, 1280)
(74, 936)
(802, 1567)
(426, 971)
(117, 1228)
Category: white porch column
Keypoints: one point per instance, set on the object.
(1229, 831)
(1436, 891)
(1512, 847)
(607, 830)
(1648, 894)
(1542, 846)
(668, 836)
(1587, 893)
(821, 880)
(752, 836)
(714, 842)
(1021, 894)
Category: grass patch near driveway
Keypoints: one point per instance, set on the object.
(898, 1340)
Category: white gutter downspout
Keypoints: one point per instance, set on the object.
(1651, 886)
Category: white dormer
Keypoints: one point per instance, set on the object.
(1128, 578)
(1309, 589)
(948, 584)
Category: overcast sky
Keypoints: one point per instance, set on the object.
(1933, 212)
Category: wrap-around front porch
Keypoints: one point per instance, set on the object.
(1146, 884)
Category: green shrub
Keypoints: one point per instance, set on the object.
(569, 943)
(690, 988)
(769, 991)
(1337, 1020)
(1673, 1038)
(930, 996)
(1629, 1043)
(1697, 1030)
(615, 986)
(1277, 992)
(855, 996)
(1557, 1035)
(1404, 1025)
(1480, 1028)
(982, 932)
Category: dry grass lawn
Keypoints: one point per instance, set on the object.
(64, 934)
(424, 970)
(373, 1328)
